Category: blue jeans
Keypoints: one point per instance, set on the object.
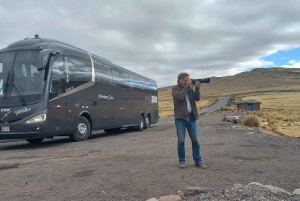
(191, 126)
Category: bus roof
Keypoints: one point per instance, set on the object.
(45, 43)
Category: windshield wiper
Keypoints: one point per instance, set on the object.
(16, 90)
(5, 85)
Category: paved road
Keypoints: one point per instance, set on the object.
(221, 103)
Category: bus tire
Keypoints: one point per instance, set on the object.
(83, 130)
(147, 121)
(141, 125)
(35, 140)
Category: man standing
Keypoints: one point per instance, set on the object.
(186, 115)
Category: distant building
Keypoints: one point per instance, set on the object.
(248, 105)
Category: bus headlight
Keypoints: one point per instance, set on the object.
(37, 119)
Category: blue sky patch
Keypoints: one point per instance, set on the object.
(283, 57)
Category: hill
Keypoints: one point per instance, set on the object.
(257, 80)
(277, 88)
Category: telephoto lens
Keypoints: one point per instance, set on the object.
(204, 80)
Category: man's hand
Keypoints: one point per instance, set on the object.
(197, 84)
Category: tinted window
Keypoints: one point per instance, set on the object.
(27, 55)
(6, 60)
(57, 83)
(137, 82)
(25, 66)
(23, 81)
(58, 69)
(78, 69)
(102, 73)
(120, 78)
(151, 85)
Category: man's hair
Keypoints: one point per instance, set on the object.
(182, 76)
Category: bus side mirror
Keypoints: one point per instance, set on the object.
(43, 58)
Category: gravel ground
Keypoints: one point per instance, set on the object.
(132, 165)
(253, 191)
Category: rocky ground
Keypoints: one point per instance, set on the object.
(253, 191)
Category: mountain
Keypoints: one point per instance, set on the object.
(257, 80)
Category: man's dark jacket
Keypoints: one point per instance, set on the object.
(179, 98)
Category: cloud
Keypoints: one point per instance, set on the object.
(160, 39)
(293, 64)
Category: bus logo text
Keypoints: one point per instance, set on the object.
(5, 110)
(109, 97)
(20, 111)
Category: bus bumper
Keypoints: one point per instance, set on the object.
(21, 131)
(5, 136)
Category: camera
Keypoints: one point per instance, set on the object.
(204, 80)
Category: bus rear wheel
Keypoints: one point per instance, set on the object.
(35, 140)
(147, 122)
(141, 125)
(83, 130)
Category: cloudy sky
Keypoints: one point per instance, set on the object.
(161, 38)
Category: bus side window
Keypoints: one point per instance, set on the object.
(102, 73)
(78, 71)
(137, 82)
(61, 86)
(57, 78)
(120, 78)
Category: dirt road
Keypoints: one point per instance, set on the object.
(139, 165)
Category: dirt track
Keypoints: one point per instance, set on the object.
(139, 165)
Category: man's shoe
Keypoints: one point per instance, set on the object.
(182, 164)
(200, 165)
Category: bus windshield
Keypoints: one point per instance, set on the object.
(20, 81)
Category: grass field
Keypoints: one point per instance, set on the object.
(279, 112)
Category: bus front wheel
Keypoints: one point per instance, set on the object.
(83, 130)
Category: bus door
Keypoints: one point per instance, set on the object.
(57, 102)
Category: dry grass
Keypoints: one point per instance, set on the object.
(251, 121)
(279, 112)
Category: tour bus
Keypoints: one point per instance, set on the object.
(50, 88)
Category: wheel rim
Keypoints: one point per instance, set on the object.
(82, 129)
(147, 122)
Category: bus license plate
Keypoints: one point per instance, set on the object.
(5, 128)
